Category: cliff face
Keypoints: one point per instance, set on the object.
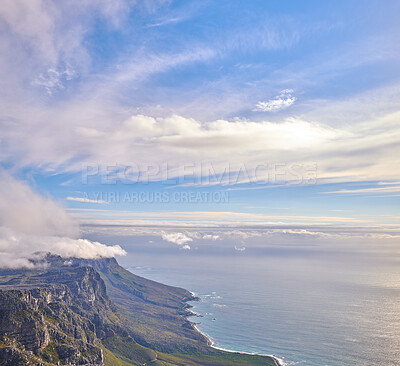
(60, 322)
(154, 312)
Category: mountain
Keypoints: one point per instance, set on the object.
(94, 312)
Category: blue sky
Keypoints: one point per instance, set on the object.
(163, 88)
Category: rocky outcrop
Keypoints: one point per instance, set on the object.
(60, 323)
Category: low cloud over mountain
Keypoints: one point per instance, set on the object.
(30, 223)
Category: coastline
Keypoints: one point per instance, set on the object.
(277, 360)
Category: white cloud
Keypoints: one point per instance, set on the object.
(282, 101)
(178, 239)
(211, 237)
(86, 200)
(47, 38)
(177, 140)
(299, 232)
(386, 189)
(263, 237)
(30, 223)
(365, 150)
(16, 248)
(201, 219)
(23, 210)
(53, 80)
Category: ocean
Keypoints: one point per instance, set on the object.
(310, 307)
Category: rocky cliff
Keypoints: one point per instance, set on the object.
(56, 317)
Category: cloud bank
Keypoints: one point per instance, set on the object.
(16, 248)
(247, 240)
(346, 153)
(30, 223)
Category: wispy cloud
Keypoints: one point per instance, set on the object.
(200, 218)
(282, 101)
(147, 64)
(387, 189)
(54, 80)
(86, 200)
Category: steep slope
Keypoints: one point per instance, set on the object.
(155, 313)
(61, 316)
(156, 317)
(37, 326)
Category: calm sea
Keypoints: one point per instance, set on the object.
(310, 308)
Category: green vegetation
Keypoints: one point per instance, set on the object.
(128, 350)
(50, 354)
(111, 360)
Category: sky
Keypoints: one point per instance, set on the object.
(214, 112)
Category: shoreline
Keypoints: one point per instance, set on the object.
(278, 361)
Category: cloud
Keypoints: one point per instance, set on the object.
(300, 232)
(258, 239)
(30, 223)
(46, 39)
(23, 210)
(351, 152)
(386, 189)
(47, 47)
(86, 200)
(16, 248)
(175, 139)
(53, 80)
(200, 218)
(167, 22)
(282, 101)
(178, 239)
(44, 42)
(211, 237)
(146, 65)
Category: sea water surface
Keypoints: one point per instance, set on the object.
(308, 308)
